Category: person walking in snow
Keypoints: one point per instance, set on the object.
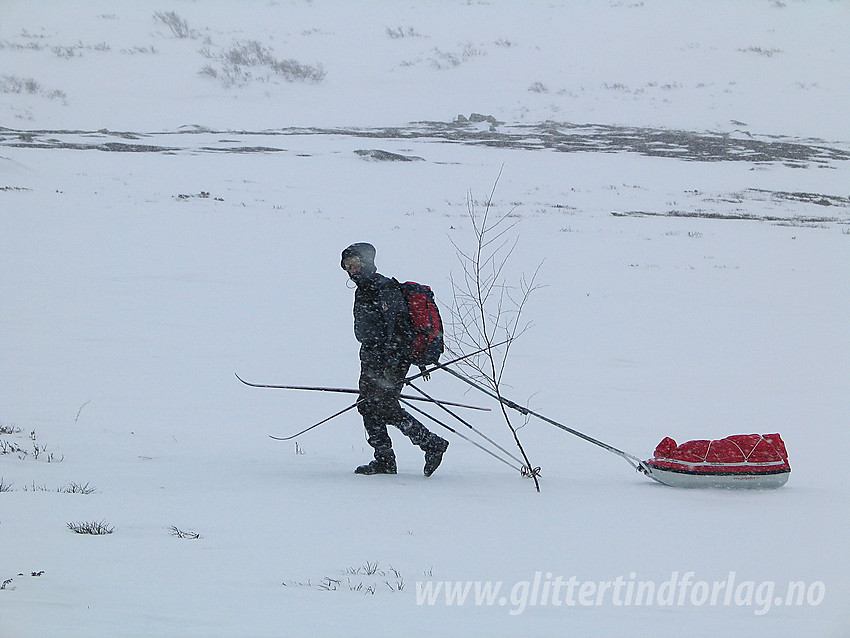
(383, 327)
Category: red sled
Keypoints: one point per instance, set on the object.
(756, 461)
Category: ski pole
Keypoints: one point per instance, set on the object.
(465, 438)
(333, 416)
(442, 366)
(469, 425)
(632, 460)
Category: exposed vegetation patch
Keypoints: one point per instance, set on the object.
(186, 534)
(401, 32)
(93, 528)
(562, 137)
(809, 198)
(703, 214)
(17, 84)
(14, 442)
(249, 61)
(201, 195)
(452, 58)
(769, 53)
(178, 26)
(377, 155)
(369, 579)
(71, 488)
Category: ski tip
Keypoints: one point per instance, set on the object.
(243, 380)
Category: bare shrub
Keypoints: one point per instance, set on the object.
(401, 32)
(449, 59)
(179, 533)
(77, 49)
(208, 69)
(486, 309)
(179, 27)
(94, 528)
(16, 46)
(78, 488)
(35, 452)
(293, 70)
(71, 488)
(768, 53)
(249, 60)
(15, 84)
(368, 578)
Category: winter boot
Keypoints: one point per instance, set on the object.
(383, 464)
(434, 456)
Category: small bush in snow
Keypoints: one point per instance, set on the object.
(449, 59)
(75, 50)
(15, 84)
(179, 533)
(71, 488)
(77, 488)
(16, 46)
(9, 447)
(12, 447)
(138, 49)
(249, 60)
(769, 53)
(64, 52)
(369, 578)
(179, 27)
(369, 569)
(487, 308)
(94, 528)
(401, 32)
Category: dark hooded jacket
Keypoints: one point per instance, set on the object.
(381, 314)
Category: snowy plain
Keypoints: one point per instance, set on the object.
(169, 218)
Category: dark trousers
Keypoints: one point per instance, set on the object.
(381, 408)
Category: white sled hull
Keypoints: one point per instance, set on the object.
(727, 480)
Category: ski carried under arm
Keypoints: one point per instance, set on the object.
(423, 373)
(316, 388)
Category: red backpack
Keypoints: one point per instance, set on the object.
(427, 325)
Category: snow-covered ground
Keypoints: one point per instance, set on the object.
(169, 218)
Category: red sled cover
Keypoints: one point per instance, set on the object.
(738, 454)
